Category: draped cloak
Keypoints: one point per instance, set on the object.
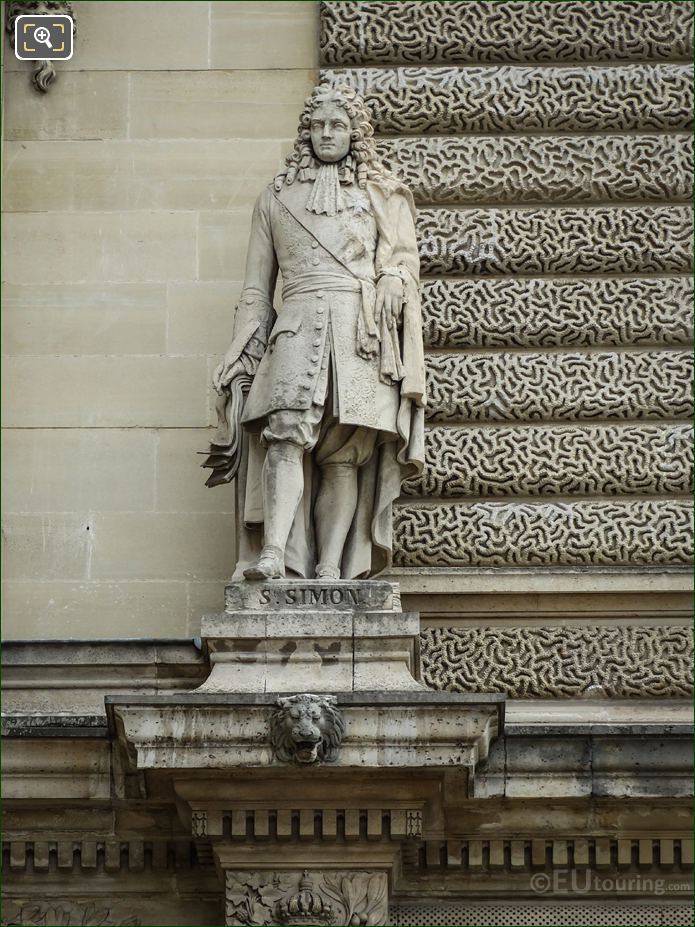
(288, 237)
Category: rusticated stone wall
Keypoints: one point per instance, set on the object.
(561, 662)
(548, 149)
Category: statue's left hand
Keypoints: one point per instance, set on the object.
(389, 298)
(225, 372)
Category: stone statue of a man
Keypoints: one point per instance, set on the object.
(333, 420)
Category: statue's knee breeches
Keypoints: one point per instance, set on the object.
(333, 443)
(345, 446)
(300, 427)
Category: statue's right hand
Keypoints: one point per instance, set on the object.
(225, 372)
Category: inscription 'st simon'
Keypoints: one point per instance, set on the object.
(306, 595)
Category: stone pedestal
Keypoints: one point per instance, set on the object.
(312, 754)
(295, 636)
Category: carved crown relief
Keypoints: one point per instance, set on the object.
(264, 898)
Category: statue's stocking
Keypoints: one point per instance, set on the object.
(335, 510)
(283, 484)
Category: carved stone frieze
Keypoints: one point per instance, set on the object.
(306, 729)
(557, 312)
(357, 33)
(559, 386)
(62, 911)
(44, 71)
(529, 169)
(566, 240)
(581, 533)
(561, 662)
(529, 460)
(450, 100)
(306, 897)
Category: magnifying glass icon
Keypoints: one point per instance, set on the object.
(41, 34)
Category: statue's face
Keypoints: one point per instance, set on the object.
(330, 132)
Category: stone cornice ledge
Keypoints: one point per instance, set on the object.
(413, 729)
(440, 580)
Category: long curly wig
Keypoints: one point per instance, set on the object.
(361, 162)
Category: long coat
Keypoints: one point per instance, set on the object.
(328, 265)
(311, 252)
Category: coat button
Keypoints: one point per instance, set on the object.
(320, 310)
(306, 385)
(315, 261)
(314, 244)
(315, 358)
(317, 342)
(320, 294)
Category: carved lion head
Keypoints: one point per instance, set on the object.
(306, 729)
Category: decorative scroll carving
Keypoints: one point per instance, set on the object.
(44, 71)
(622, 240)
(600, 460)
(359, 33)
(306, 729)
(452, 100)
(528, 169)
(260, 898)
(559, 386)
(561, 662)
(595, 533)
(62, 911)
(557, 312)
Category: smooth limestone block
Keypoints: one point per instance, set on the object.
(119, 37)
(201, 316)
(48, 547)
(179, 477)
(84, 318)
(557, 312)
(217, 104)
(58, 609)
(378, 32)
(530, 460)
(78, 470)
(222, 244)
(163, 546)
(450, 100)
(542, 534)
(562, 240)
(90, 105)
(94, 247)
(160, 174)
(100, 391)
(542, 169)
(559, 386)
(263, 35)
